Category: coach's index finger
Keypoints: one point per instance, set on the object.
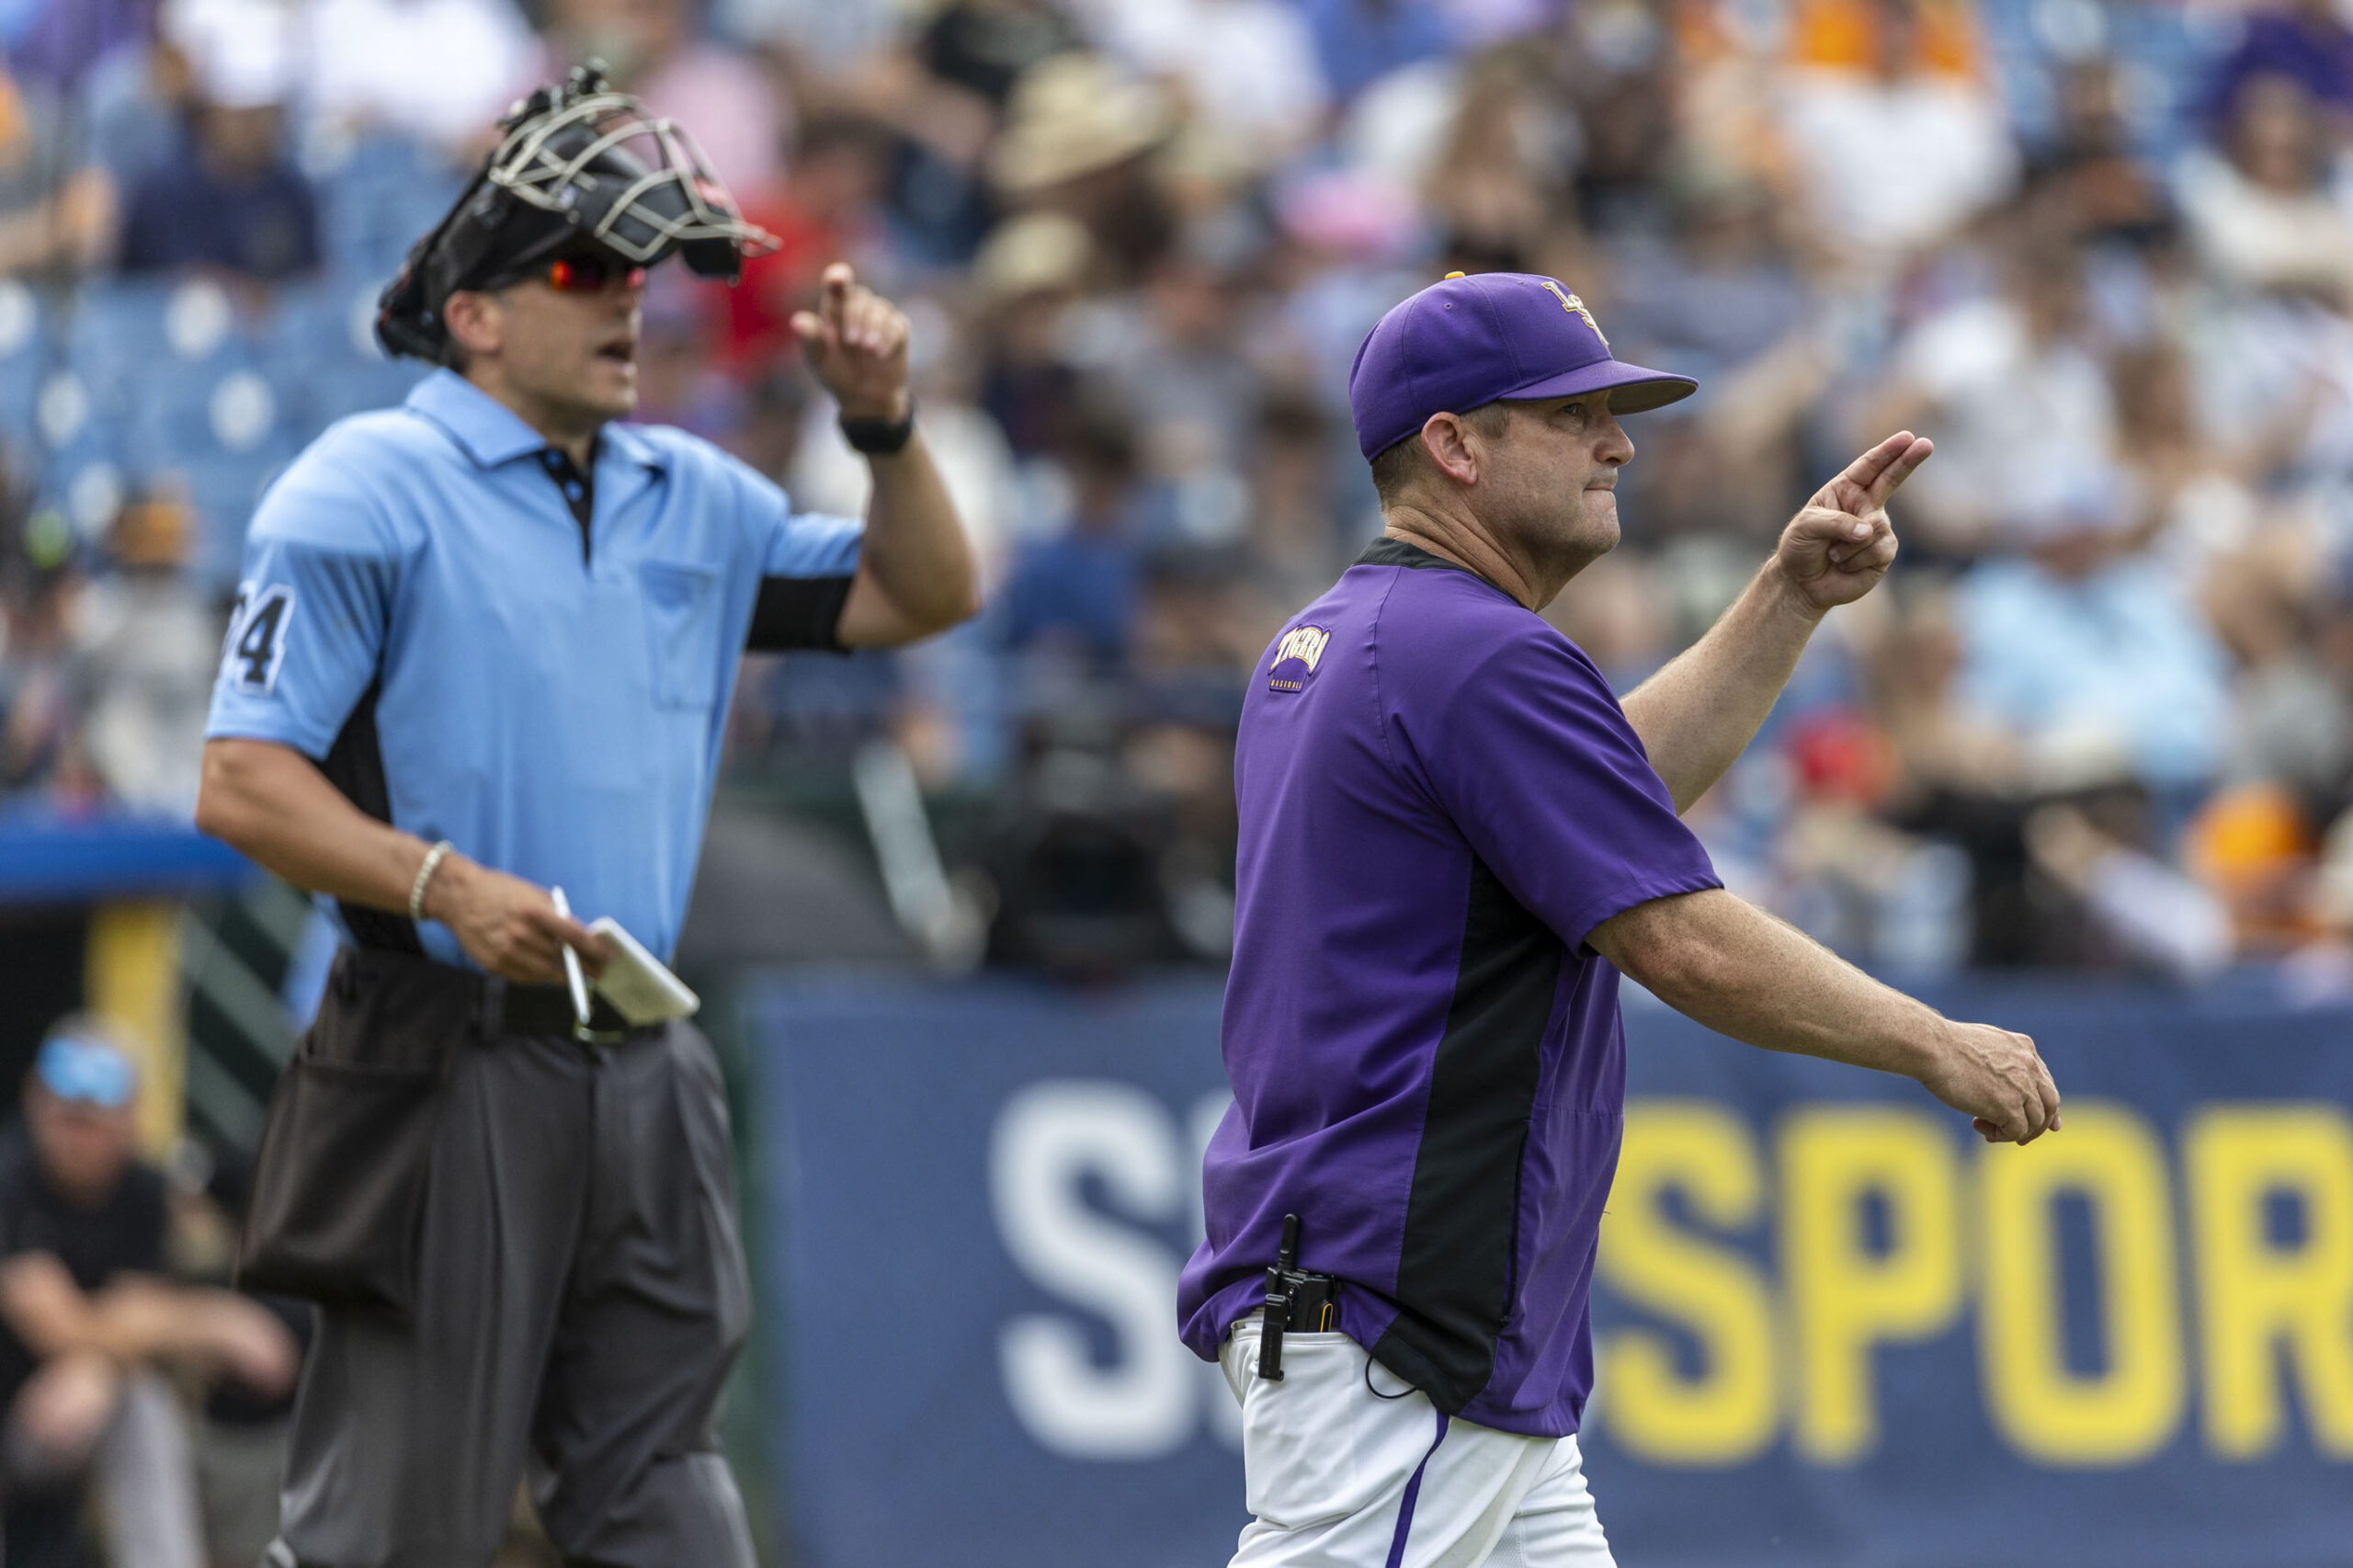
(1870, 479)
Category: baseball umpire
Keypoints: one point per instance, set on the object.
(484, 649)
(1454, 840)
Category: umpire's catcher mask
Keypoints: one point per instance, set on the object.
(580, 165)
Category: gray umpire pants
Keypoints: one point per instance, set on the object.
(580, 1296)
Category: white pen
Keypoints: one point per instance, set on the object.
(572, 975)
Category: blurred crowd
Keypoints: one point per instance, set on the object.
(2102, 716)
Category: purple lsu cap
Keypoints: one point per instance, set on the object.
(1469, 340)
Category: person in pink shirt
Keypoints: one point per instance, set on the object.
(656, 51)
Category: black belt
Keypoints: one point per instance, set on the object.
(509, 1009)
(505, 1006)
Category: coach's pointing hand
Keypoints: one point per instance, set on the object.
(856, 343)
(508, 925)
(1838, 547)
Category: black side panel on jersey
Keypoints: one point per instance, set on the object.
(1454, 1276)
(798, 612)
(355, 765)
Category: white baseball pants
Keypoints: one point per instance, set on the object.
(1346, 1467)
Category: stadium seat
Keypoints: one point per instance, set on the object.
(321, 346)
(135, 343)
(185, 414)
(306, 320)
(382, 195)
(81, 475)
(24, 363)
(115, 328)
(341, 390)
(223, 487)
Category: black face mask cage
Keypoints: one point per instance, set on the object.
(640, 185)
(581, 163)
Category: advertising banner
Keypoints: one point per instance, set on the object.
(1832, 1327)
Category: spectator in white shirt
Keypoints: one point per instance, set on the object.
(435, 70)
(1892, 161)
(2000, 381)
(2260, 213)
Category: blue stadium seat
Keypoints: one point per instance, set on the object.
(322, 346)
(224, 488)
(346, 389)
(26, 353)
(71, 475)
(116, 329)
(376, 203)
(327, 322)
(145, 351)
(189, 413)
(306, 317)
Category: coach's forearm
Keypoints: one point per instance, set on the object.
(915, 555)
(1697, 715)
(273, 805)
(1721, 960)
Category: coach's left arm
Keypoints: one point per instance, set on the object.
(916, 574)
(1699, 713)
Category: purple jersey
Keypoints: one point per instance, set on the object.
(1439, 798)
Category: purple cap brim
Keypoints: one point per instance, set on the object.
(1636, 390)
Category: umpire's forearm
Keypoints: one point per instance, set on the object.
(914, 547)
(272, 804)
(1716, 958)
(1699, 713)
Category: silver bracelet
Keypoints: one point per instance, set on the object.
(424, 875)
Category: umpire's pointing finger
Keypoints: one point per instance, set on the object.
(837, 279)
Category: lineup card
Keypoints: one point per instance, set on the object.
(639, 986)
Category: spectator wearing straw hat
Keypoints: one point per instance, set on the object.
(1074, 139)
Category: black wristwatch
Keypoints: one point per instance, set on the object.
(880, 437)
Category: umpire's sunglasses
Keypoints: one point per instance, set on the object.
(585, 273)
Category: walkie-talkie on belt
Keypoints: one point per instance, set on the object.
(1293, 1296)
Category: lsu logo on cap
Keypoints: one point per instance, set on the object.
(1297, 652)
(1576, 306)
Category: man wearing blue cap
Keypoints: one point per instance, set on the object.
(86, 1318)
(1453, 839)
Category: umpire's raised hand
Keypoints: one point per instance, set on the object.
(1840, 544)
(856, 343)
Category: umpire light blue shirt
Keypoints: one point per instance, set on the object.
(419, 616)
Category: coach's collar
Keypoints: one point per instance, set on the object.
(492, 433)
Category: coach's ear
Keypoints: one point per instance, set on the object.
(1453, 446)
(477, 323)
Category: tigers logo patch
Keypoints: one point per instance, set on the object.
(1297, 652)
